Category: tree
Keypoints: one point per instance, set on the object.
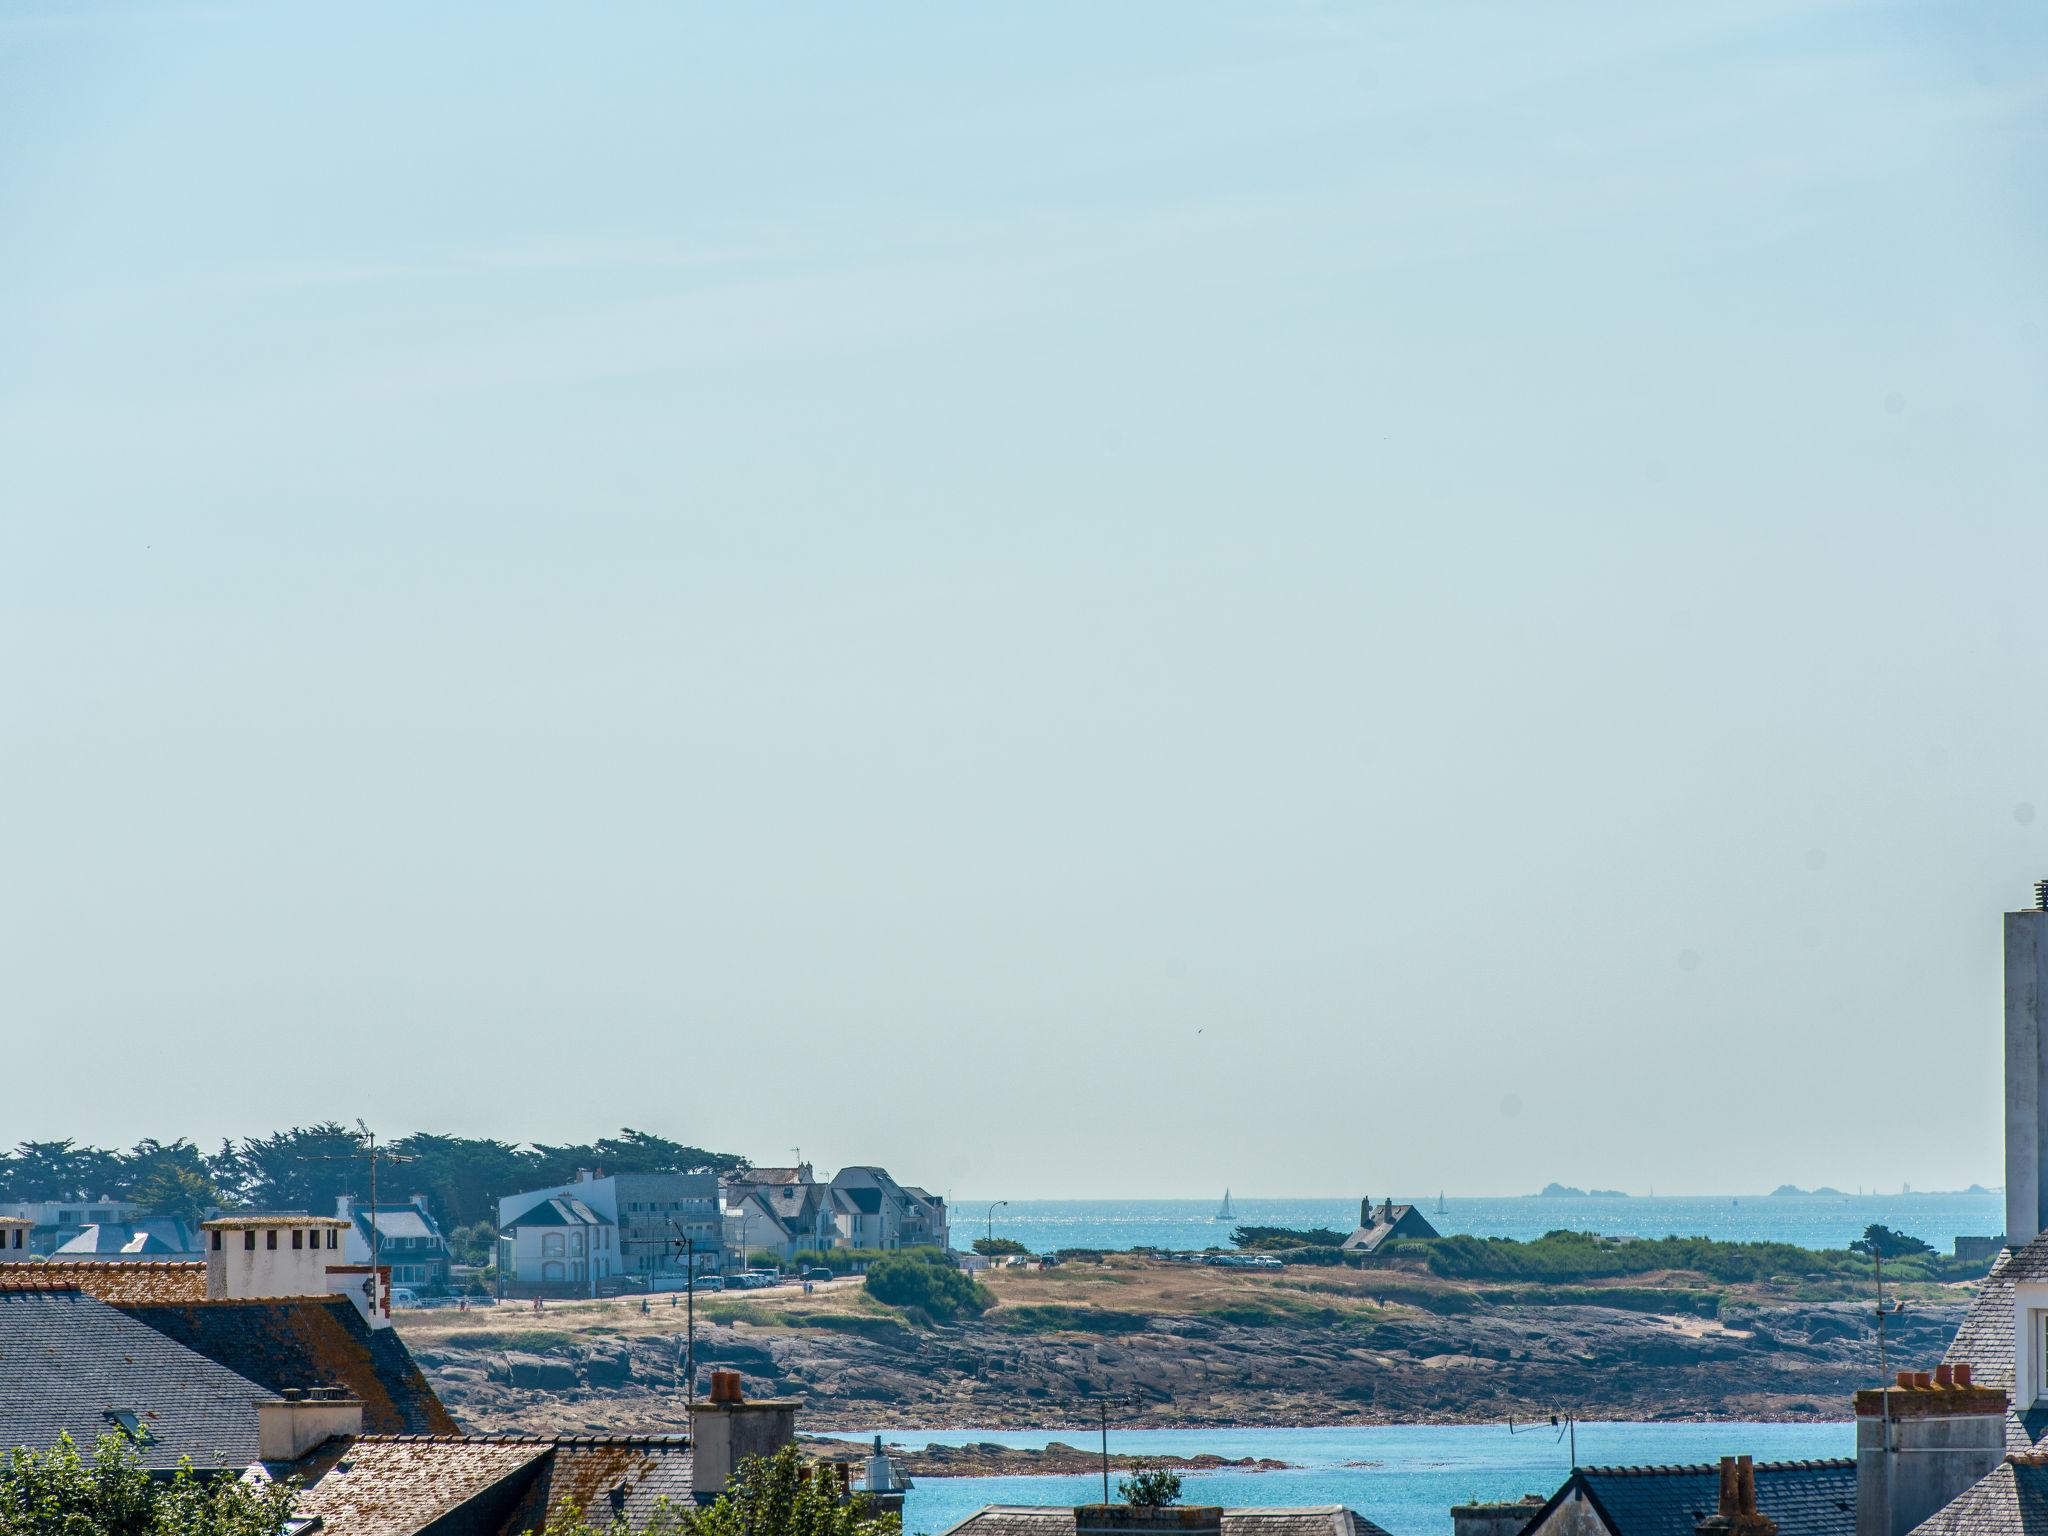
(1150, 1487)
(919, 1280)
(182, 1192)
(474, 1243)
(998, 1247)
(59, 1493)
(464, 1176)
(1882, 1242)
(59, 1170)
(304, 1168)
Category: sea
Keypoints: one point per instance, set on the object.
(1810, 1221)
(1405, 1476)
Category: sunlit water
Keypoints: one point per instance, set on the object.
(1406, 1477)
(1811, 1221)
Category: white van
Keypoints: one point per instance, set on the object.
(402, 1296)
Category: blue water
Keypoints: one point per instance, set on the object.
(1404, 1476)
(1811, 1221)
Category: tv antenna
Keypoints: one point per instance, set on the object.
(368, 1139)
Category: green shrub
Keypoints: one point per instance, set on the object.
(920, 1280)
(59, 1493)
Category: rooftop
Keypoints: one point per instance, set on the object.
(77, 1365)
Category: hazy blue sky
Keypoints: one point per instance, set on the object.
(1071, 599)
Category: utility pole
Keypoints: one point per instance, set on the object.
(686, 1248)
(369, 1140)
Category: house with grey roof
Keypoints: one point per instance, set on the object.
(1802, 1498)
(604, 1233)
(405, 1236)
(1385, 1223)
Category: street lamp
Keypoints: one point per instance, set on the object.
(992, 1222)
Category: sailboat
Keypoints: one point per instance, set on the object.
(1226, 1213)
(1441, 1208)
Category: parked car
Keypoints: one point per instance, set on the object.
(755, 1279)
(401, 1295)
(817, 1274)
(710, 1282)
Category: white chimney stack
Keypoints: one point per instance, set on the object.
(2026, 1071)
(253, 1257)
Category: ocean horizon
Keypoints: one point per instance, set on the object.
(1805, 1220)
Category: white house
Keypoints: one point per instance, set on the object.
(593, 1234)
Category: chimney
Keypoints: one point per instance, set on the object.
(1919, 1443)
(251, 1257)
(1365, 1211)
(728, 1429)
(1736, 1513)
(291, 1424)
(2026, 1071)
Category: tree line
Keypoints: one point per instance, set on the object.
(307, 1167)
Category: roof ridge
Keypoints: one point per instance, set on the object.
(1666, 1469)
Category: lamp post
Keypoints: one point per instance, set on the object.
(992, 1221)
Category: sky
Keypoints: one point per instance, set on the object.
(1074, 600)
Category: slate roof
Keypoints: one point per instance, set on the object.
(1311, 1520)
(393, 1485)
(1805, 1498)
(158, 1237)
(2012, 1501)
(71, 1359)
(1388, 1222)
(115, 1280)
(310, 1341)
(1984, 1341)
(558, 1211)
(399, 1221)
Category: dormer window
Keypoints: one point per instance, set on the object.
(130, 1424)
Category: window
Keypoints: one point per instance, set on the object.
(298, 1238)
(131, 1425)
(551, 1244)
(249, 1238)
(270, 1237)
(331, 1234)
(216, 1242)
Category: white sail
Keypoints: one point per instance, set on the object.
(1226, 1214)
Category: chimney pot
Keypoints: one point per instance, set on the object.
(1922, 1380)
(1962, 1373)
(1905, 1379)
(1944, 1376)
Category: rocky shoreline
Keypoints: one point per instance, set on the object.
(1784, 1362)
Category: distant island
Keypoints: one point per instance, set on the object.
(1573, 1192)
(1794, 1189)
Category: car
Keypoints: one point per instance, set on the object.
(818, 1274)
(755, 1279)
(401, 1295)
(710, 1282)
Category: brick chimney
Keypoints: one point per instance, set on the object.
(1736, 1514)
(728, 1429)
(2026, 1072)
(1919, 1443)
